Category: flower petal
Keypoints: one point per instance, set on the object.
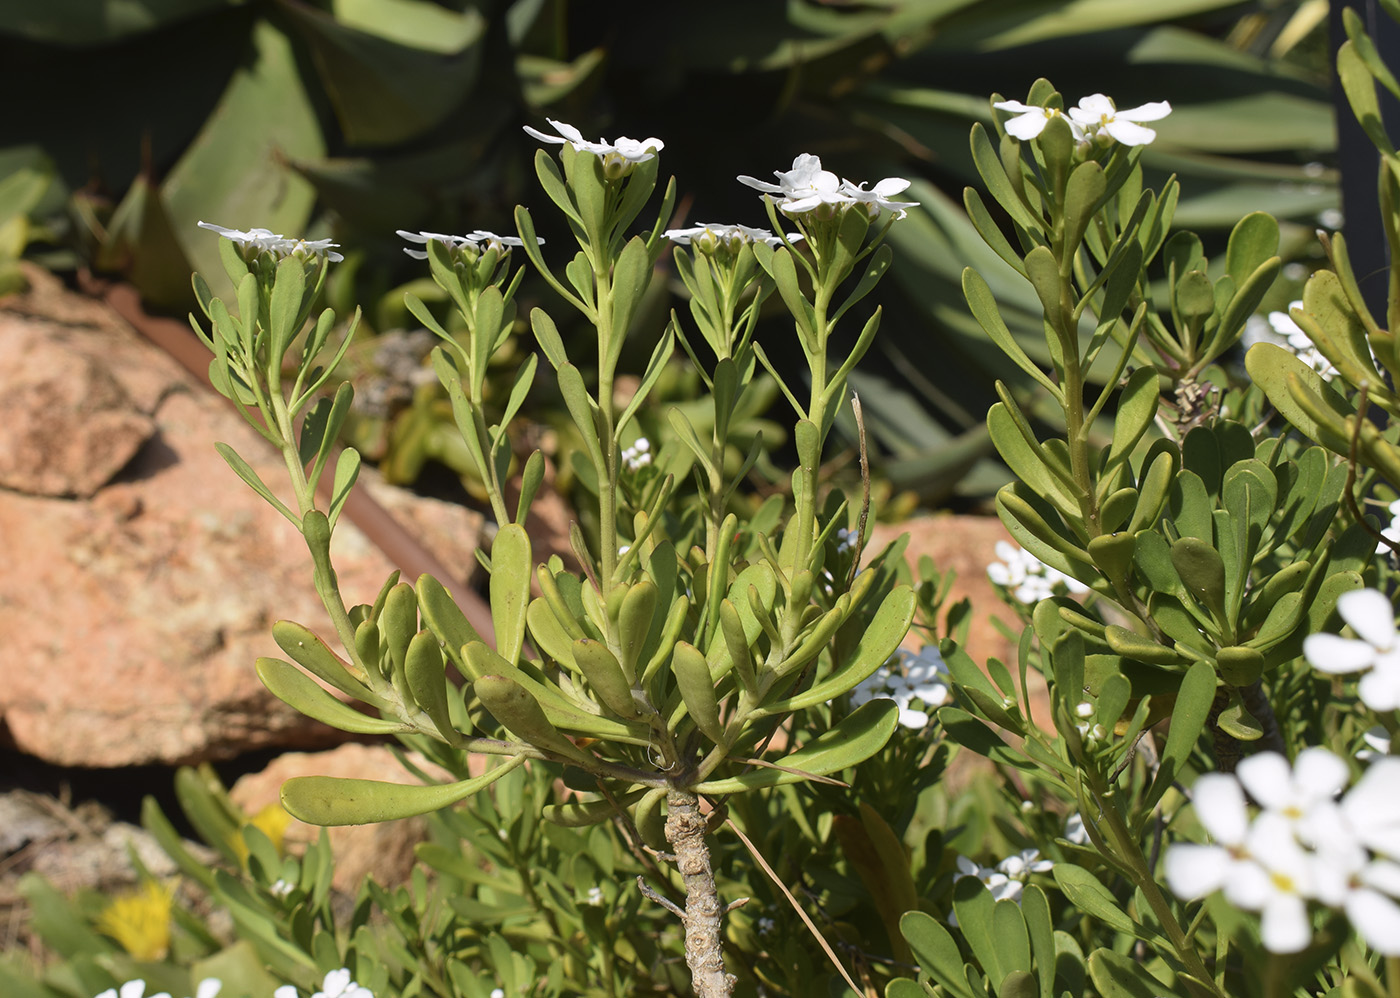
(1370, 615)
(1319, 773)
(1267, 778)
(1285, 927)
(1128, 133)
(1194, 871)
(1379, 689)
(1376, 918)
(1146, 112)
(1027, 126)
(1336, 655)
(1016, 106)
(1220, 807)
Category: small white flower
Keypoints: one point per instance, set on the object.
(804, 187)
(1023, 864)
(1075, 831)
(1084, 709)
(1375, 651)
(845, 540)
(877, 199)
(1097, 115)
(1030, 121)
(595, 896)
(1029, 579)
(280, 888)
(625, 149)
(709, 235)
(766, 925)
(924, 677)
(638, 456)
(477, 239)
(267, 241)
(498, 993)
(1193, 870)
(1003, 888)
(338, 984)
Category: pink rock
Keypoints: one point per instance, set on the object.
(132, 621)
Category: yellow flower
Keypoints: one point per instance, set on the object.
(272, 821)
(140, 920)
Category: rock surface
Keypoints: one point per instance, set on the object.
(132, 619)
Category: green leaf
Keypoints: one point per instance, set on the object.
(1035, 909)
(936, 953)
(426, 673)
(393, 69)
(697, 688)
(973, 904)
(445, 618)
(1360, 87)
(517, 708)
(329, 800)
(1082, 196)
(1253, 241)
(854, 739)
(1122, 977)
(874, 647)
(510, 589)
(604, 674)
(243, 470)
(1137, 408)
(1188, 720)
(223, 175)
(1085, 892)
(293, 687)
(1027, 459)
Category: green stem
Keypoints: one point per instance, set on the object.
(607, 474)
(1130, 852)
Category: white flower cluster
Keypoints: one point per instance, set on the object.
(625, 149)
(807, 186)
(638, 456)
(846, 540)
(1303, 845)
(207, 988)
(1088, 730)
(1095, 117)
(1008, 878)
(337, 984)
(905, 678)
(1374, 651)
(1029, 579)
(477, 239)
(267, 241)
(709, 236)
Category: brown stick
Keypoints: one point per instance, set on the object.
(685, 830)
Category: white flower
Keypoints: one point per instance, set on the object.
(280, 888)
(1097, 115)
(804, 187)
(1301, 794)
(1008, 878)
(877, 199)
(1372, 807)
(337, 984)
(1193, 870)
(1075, 831)
(474, 239)
(1029, 579)
(267, 241)
(1030, 121)
(1020, 866)
(766, 925)
(595, 896)
(924, 678)
(628, 150)
(846, 540)
(709, 235)
(1003, 888)
(498, 993)
(1375, 652)
(638, 456)
(1275, 882)
(207, 988)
